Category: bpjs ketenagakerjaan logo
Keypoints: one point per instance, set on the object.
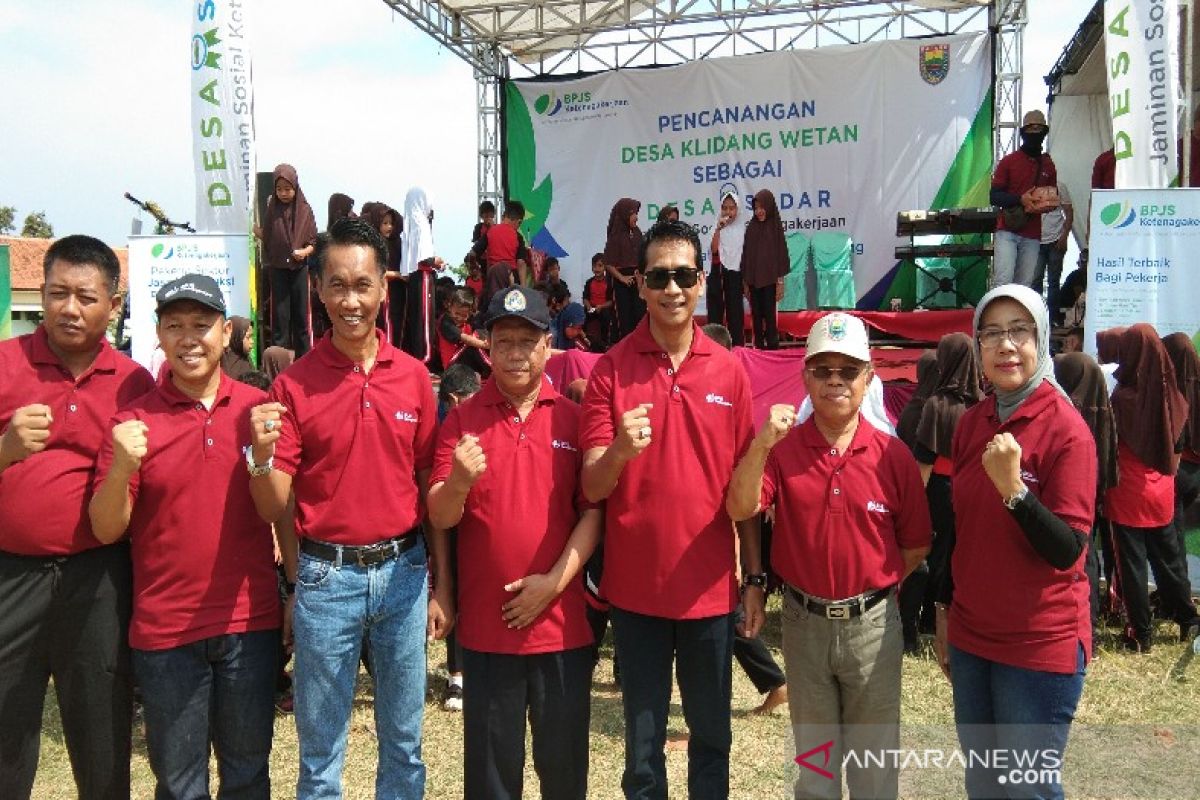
(1125, 214)
(553, 104)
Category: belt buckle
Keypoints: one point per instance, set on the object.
(837, 612)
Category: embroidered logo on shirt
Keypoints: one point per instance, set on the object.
(875, 505)
(718, 399)
(559, 444)
(404, 416)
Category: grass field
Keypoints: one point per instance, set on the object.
(1145, 708)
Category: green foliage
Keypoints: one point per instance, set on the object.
(8, 220)
(37, 226)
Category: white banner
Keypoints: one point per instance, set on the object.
(1141, 265)
(222, 116)
(155, 260)
(845, 137)
(1141, 42)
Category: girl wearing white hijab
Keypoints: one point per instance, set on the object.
(418, 262)
(724, 284)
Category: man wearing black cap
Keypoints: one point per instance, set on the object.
(506, 472)
(205, 627)
(1024, 186)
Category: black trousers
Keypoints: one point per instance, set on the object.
(756, 661)
(723, 294)
(630, 308)
(763, 319)
(499, 690)
(66, 618)
(920, 589)
(1136, 549)
(290, 309)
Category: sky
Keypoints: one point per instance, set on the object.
(95, 103)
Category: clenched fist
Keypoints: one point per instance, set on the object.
(27, 433)
(1002, 463)
(129, 445)
(779, 422)
(266, 422)
(634, 433)
(469, 460)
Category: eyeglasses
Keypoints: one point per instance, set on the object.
(823, 373)
(684, 277)
(990, 338)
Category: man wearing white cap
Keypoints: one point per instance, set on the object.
(851, 521)
(1024, 186)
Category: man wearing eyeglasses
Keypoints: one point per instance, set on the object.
(851, 522)
(666, 415)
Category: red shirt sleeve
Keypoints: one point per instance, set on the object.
(426, 438)
(771, 479)
(447, 440)
(288, 449)
(596, 428)
(744, 432)
(1069, 486)
(913, 526)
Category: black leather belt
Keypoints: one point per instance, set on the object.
(843, 609)
(360, 555)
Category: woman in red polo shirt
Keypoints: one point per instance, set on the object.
(1150, 413)
(1013, 628)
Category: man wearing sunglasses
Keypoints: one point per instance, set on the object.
(851, 522)
(665, 417)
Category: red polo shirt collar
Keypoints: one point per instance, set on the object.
(644, 341)
(490, 394)
(328, 353)
(40, 353)
(1035, 404)
(811, 436)
(174, 396)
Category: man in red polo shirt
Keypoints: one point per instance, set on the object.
(1023, 180)
(506, 473)
(851, 522)
(64, 599)
(205, 630)
(665, 417)
(351, 432)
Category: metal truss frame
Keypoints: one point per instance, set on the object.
(556, 38)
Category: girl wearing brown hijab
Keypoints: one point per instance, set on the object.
(289, 236)
(1150, 415)
(622, 251)
(1182, 352)
(236, 358)
(1082, 379)
(383, 218)
(764, 265)
(957, 389)
(340, 207)
(927, 381)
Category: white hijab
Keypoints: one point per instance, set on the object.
(417, 244)
(873, 409)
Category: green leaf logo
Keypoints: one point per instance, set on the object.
(1109, 214)
(156, 251)
(541, 104)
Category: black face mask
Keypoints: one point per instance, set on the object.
(1032, 142)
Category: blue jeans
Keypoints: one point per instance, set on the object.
(223, 687)
(336, 605)
(1014, 259)
(1018, 720)
(702, 653)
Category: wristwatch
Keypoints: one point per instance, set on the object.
(257, 470)
(758, 579)
(1012, 502)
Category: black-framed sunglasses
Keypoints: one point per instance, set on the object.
(684, 277)
(823, 373)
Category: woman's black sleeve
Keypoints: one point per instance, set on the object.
(1054, 540)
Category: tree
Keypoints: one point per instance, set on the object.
(8, 220)
(36, 226)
